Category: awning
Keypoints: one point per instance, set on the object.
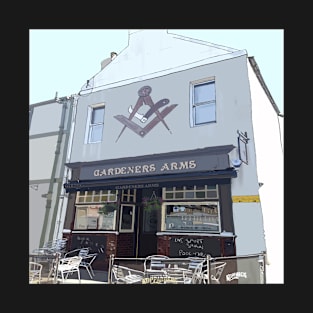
(178, 180)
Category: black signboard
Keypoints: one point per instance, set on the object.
(181, 247)
(95, 243)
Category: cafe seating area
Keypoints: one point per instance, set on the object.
(160, 269)
(52, 264)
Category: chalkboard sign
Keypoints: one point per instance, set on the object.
(95, 243)
(181, 247)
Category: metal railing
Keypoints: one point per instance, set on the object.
(247, 269)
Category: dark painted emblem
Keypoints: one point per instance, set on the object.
(145, 98)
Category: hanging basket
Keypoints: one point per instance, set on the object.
(108, 207)
(152, 204)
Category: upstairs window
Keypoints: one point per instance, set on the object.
(95, 122)
(203, 102)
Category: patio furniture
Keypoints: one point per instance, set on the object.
(56, 245)
(125, 275)
(49, 262)
(153, 265)
(216, 270)
(175, 275)
(87, 259)
(68, 266)
(195, 273)
(34, 272)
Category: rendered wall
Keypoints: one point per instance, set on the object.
(233, 112)
(47, 133)
(269, 138)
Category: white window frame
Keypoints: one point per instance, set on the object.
(95, 196)
(89, 126)
(128, 195)
(194, 106)
(210, 192)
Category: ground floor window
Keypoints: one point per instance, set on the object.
(96, 217)
(101, 209)
(191, 217)
(195, 192)
(93, 196)
(192, 208)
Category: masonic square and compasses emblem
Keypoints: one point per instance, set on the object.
(144, 98)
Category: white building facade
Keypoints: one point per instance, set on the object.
(174, 140)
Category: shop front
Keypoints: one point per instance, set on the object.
(177, 204)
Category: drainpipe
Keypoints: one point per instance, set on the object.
(52, 179)
(63, 196)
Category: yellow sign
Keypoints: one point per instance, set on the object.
(255, 198)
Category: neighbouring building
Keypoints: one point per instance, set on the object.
(176, 149)
(49, 132)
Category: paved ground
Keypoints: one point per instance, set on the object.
(101, 277)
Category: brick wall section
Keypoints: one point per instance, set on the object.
(125, 245)
(111, 242)
(163, 245)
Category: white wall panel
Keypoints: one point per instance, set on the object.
(46, 119)
(41, 157)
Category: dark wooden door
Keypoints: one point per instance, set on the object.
(148, 223)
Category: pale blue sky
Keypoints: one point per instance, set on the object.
(62, 60)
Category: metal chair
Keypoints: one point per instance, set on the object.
(34, 272)
(125, 275)
(216, 270)
(56, 245)
(195, 274)
(68, 266)
(153, 264)
(87, 259)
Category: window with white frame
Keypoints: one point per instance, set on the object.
(193, 192)
(95, 217)
(94, 196)
(203, 102)
(96, 210)
(95, 123)
(191, 209)
(128, 195)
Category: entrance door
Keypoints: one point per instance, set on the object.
(149, 215)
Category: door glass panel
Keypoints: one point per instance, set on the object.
(127, 218)
(150, 219)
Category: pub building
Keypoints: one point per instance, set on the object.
(152, 203)
(162, 157)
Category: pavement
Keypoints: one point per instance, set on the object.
(101, 277)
